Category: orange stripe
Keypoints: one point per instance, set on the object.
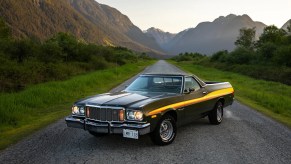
(209, 96)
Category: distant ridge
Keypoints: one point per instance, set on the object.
(209, 37)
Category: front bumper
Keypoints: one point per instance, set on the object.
(106, 127)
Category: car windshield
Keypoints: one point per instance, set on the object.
(156, 84)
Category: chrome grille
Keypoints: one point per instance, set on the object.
(105, 113)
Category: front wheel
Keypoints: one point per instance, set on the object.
(165, 132)
(216, 115)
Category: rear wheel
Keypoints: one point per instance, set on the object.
(216, 115)
(97, 134)
(165, 132)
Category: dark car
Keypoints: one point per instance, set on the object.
(153, 104)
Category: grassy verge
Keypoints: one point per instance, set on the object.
(25, 112)
(270, 98)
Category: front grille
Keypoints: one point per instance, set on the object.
(105, 113)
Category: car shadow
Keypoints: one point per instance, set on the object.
(118, 142)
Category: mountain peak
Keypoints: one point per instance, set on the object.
(246, 18)
(286, 24)
(154, 29)
(246, 15)
(225, 18)
(159, 35)
(230, 16)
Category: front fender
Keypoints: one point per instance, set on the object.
(154, 119)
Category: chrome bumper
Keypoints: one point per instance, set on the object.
(106, 127)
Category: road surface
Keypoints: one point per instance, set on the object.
(245, 136)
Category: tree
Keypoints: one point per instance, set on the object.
(246, 38)
(5, 32)
(51, 52)
(240, 56)
(271, 34)
(267, 51)
(68, 43)
(21, 50)
(282, 56)
(5, 36)
(219, 56)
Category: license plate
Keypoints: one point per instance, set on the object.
(127, 133)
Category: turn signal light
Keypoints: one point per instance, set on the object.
(121, 115)
(87, 112)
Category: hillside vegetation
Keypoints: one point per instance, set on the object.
(23, 112)
(267, 58)
(25, 62)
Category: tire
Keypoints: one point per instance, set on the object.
(216, 115)
(165, 131)
(97, 134)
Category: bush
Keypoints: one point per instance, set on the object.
(267, 51)
(240, 56)
(219, 56)
(189, 57)
(283, 56)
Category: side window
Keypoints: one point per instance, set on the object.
(190, 82)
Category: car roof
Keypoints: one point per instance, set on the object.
(202, 83)
(165, 74)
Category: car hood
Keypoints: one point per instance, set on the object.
(124, 99)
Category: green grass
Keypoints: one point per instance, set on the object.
(270, 98)
(27, 111)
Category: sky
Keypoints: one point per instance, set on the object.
(177, 15)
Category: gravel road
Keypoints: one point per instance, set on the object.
(245, 136)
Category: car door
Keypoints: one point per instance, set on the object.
(193, 96)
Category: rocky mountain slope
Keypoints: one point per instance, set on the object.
(286, 24)
(86, 19)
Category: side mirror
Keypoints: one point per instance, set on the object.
(191, 89)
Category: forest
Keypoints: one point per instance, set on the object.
(25, 61)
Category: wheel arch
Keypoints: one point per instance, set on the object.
(172, 113)
(169, 111)
(213, 114)
(222, 100)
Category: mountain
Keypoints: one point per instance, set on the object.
(209, 37)
(286, 24)
(161, 37)
(86, 19)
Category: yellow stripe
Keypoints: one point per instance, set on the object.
(209, 96)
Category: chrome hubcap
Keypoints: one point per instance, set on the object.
(219, 113)
(166, 130)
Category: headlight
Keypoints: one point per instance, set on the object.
(82, 110)
(78, 110)
(135, 115)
